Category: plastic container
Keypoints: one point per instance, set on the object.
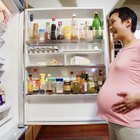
(59, 85)
(41, 34)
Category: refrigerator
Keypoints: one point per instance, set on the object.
(20, 55)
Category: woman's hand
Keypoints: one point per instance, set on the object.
(128, 103)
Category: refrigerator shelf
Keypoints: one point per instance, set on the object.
(5, 120)
(58, 42)
(2, 28)
(89, 66)
(4, 107)
(67, 96)
(1, 42)
(2, 61)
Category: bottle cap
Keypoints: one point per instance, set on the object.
(74, 15)
(53, 19)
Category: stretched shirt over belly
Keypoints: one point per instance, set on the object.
(124, 76)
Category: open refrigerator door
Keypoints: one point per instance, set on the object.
(11, 42)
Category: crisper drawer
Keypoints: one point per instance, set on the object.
(46, 59)
(61, 109)
(85, 58)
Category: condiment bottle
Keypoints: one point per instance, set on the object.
(42, 83)
(35, 32)
(47, 33)
(74, 28)
(30, 84)
(60, 35)
(53, 29)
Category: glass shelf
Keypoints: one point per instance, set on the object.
(2, 61)
(2, 28)
(4, 107)
(56, 42)
(1, 42)
(89, 66)
(62, 96)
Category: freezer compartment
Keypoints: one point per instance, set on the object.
(61, 109)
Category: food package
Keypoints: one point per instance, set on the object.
(80, 60)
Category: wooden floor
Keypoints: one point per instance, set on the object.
(77, 132)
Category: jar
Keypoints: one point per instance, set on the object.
(50, 85)
(67, 86)
(41, 34)
(59, 85)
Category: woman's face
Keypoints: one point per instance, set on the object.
(116, 27)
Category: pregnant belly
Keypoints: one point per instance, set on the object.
(108, 94)
(107, 97)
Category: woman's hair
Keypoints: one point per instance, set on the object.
(126, 13)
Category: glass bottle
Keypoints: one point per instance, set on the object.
(74, 28)
(36, 82)
(97, 26)
(47, 33)
(82, 32)
(53, 30)
(100, 79)
(60, 35)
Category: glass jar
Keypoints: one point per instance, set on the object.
(59, 85)
(67, 86)
(41, 34)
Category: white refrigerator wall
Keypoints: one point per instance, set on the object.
(9, 51)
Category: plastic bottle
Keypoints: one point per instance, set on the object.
(35, 32)
(30, 84)
(42, 83)
(2, 94)
(47, 33)
(82, 32)
(96, 24)
(60, 35)
(36, 82)
(53, 30)
(74, 28)
(97, 27)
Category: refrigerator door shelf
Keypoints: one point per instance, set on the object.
(5, 107)
(3, 28)
(1, 42)
(13, 5)
(2, 61)
(4, 113)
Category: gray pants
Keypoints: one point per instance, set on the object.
(119, 132)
